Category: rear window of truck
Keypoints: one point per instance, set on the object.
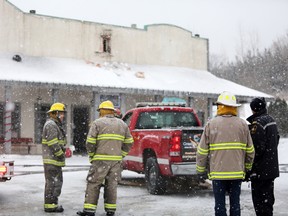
(157, 120)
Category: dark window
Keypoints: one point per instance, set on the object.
(106, 42)
(80, 127)
(106, 45)
(127, 118)
(15, 120)
(154, 120)
(40, 119)
(114, 98)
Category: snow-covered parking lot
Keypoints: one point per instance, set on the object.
(23, 195)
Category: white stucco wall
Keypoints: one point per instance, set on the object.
(159, 44)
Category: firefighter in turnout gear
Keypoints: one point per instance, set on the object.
(53, 142)
(108, 142)
(226, 151)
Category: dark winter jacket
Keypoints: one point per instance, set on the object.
(265, 138)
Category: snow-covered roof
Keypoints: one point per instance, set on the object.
(171, 80)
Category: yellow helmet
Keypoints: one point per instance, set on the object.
(57, 107)
(228, 99)
(106, 105)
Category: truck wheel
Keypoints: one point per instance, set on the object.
(154, 180)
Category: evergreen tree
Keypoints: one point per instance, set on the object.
(279, 110)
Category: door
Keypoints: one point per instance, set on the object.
(80, 128)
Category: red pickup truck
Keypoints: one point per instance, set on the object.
(165, 144)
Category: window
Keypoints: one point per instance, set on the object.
(156, 120)
(15, 120)
(106, 41)
(106, 45)
(114, 98)
(40, 119)
(127, 118)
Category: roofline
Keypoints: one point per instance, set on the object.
(118, 90)
(145, 27)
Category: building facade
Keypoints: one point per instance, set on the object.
(30, 34)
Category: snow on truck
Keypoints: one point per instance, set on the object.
(165, 144)
(6, 170)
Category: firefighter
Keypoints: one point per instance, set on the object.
(226, 150)
(53, 142)
(108, 141)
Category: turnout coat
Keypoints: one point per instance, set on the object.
(109, 139)
(53, 143)
(226, 149)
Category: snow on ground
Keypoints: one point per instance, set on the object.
(23, 195)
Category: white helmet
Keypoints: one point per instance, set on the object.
(228, 99)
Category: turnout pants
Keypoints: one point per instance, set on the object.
(53, 185)
(109, 173)
(263, 196)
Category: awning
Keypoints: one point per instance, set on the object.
(119, 77)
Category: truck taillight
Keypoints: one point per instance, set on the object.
(3, 170)
(175, 146)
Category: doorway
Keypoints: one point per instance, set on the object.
(80, 128)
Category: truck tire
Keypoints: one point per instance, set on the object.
(155, 182)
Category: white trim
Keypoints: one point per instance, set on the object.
(269, 124)
(133, 158)
(162, 161)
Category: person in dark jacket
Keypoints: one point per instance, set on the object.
(53, 142)
(265, 168)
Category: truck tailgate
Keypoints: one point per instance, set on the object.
(190, 140)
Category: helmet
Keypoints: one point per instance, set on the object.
(228, 99)
(106, 105)
(57, 107)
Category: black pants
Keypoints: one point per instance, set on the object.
(263, 196)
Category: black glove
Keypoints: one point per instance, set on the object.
(202, 177)
(247, 176)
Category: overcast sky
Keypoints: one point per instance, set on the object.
(228, 24)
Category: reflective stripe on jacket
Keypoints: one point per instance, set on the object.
(226, 149)
(109, 138)
(53, 143)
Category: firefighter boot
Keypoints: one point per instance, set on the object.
(110, 213)
(58, 209)
(84, 213)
